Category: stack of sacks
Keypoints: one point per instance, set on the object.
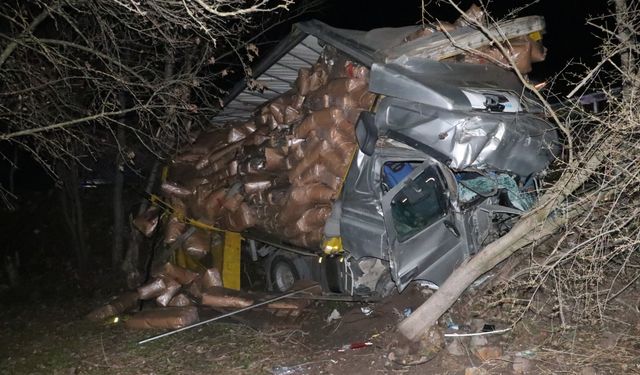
(174, 290)
(281, 170)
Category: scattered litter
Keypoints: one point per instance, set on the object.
(366, 310)
(452, 325)
(475, 371)
(335, 315)
(407, 311)
(355, 345)
(477, 333)
(521, 365)
(481, 280)
(428, 284)
(456, 348)
(288, 370)
(488, 328)
(302, 368)
(487, 353)
(526, 354)
(479, 341)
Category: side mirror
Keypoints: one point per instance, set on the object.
(366, 132)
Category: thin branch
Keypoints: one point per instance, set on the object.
(13, 45)
(21, 133)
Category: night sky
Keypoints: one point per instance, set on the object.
(568, 38)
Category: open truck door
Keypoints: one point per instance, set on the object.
(424, 239)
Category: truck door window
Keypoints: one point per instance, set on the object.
(395, 171)
(419, 204)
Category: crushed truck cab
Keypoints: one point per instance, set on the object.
(368, 160)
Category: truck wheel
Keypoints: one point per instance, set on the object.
(283, 274)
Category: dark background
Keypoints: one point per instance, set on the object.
(568, 39)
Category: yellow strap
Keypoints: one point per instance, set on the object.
(157, 201)
(164, 174)
(231, 260)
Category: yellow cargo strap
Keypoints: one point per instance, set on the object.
(157, 201)
(231, 260)
(226, 258)
(164, 174)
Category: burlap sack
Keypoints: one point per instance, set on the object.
(117, 306)
(180, 300)
(174, 272)
(152, 289)
(148, 221)
(164, 318)
(172, 288)
(221, 297)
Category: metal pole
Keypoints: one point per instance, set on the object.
(225, 315)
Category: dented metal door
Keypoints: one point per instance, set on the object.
(420, 225)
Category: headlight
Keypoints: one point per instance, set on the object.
(332, 245)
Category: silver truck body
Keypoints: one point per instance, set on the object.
(453, 125)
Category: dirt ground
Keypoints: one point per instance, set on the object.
(48, 335)
(44, 330)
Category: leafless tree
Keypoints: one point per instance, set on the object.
(80, 79)
(589, 212)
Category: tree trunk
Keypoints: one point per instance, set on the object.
(73, 213)
(534, 226)
(521, 235)
(130, 264)
(624, 34)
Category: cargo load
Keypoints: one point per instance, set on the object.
(390, 153)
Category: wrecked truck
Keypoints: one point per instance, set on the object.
(367, 160)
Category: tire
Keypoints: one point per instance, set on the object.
(282, 274)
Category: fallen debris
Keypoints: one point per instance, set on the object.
(355, 345)
(335, 315)
(119, 305)
(168, 317)
(456, 348)
(228, 314)
(486, 353)
(498, 331)
(221, 297)
(522, 365)
(475, 371)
